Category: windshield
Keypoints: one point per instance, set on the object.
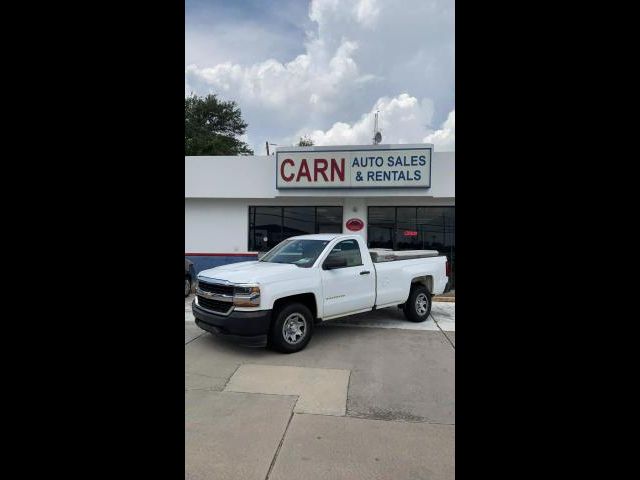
(302, 253)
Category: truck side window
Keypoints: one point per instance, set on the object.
(349, 250)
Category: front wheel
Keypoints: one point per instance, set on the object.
(187, 286)
(418, 306)
(292, 328)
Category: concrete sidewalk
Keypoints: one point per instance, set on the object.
(365, 401)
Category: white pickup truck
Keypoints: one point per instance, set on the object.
(304, 280)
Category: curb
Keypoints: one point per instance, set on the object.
(444, 299)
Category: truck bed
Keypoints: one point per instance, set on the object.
(394, 276)
(379, 255)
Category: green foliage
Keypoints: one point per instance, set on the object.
(211, 127)
(305, 142)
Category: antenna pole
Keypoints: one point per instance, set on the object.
(376, 138)
(375, 127)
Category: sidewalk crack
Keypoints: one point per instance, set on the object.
(187, 343)
(443, 332)
(284, 434)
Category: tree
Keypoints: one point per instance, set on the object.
(305, 142)
(211, 127)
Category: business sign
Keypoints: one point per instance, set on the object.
(354, 167)
(354, 224)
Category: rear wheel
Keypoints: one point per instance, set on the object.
(418, 306)
(291, 329)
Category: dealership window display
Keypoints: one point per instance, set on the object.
(414, 228)
(268, 226)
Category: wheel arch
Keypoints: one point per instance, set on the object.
(307, 299)
(425, 280)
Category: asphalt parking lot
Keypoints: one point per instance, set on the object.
(372, 396)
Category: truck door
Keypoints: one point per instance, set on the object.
(348, 282)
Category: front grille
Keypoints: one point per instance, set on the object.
(214, 305)
(215, 288)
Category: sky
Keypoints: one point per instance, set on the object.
(322, 68)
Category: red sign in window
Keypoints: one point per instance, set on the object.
(410, 233)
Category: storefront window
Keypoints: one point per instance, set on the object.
(268, 226)
(328, 219)
(414, 228)
(265, 227)
(406, 231)
(381, 231)
(298, 221)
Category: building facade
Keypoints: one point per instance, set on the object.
(396, 196)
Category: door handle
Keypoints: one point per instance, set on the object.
(365, 272)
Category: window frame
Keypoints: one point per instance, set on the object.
(347, 266)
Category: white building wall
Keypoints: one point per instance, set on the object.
(230, 177)
(255, 177)
(222, 225)
(216, 225)
(219, 191)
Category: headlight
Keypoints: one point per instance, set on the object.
(246, 296)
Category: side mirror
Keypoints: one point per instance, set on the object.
(261, 254)
(334, 262)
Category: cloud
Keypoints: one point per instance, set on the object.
(308, 79)
(329, 63)
(444, 139)
(365, 12)
(402, 119)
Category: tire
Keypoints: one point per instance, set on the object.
(290, 321)
(418, 306)
(187, 287)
